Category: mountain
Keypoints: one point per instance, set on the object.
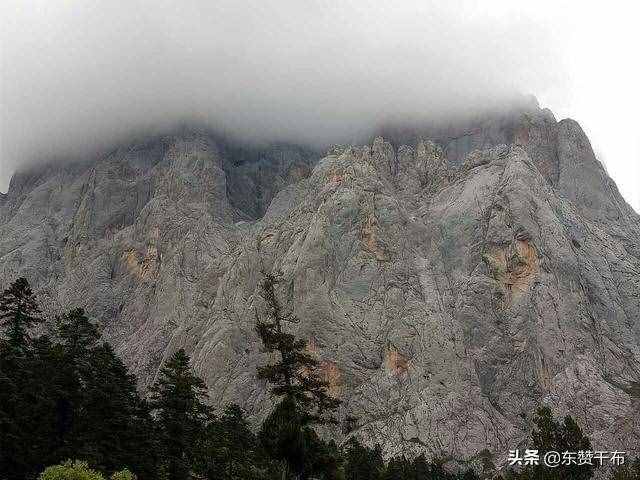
(449, 279)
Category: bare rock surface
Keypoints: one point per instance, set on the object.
(447, 287)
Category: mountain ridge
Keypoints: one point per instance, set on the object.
(447, 288)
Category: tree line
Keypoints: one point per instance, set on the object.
(70, 410)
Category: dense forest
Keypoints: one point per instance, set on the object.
(70, 410)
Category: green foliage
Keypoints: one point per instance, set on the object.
(96, 389)
(295, 375)
(111, 400)
(287, 435)
(551, 435)
(401, 468)
(284, 436)
(70, 396)
(71, 471)
(78, 336)
(181, 414)
(123, 475)
(80, 471)
(77, 341)
(18, 313)
(229, 450)
(397, 469)
(24, 386)
(361, 462)
(486, 459)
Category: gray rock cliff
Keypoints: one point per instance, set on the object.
(448, 283)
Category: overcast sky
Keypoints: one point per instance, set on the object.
(78, 74)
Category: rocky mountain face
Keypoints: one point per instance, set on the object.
(449, 281)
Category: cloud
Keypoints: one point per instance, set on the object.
(78, 75)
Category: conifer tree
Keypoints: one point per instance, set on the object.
(19, 400)
(77, 340)
(286, 434)
(295, 375)
(178, 402)
(19, 312)
(95, 389)
(78, 335)
(39, 418)
(229, 449)
(420, 468)
(362, 463)
(469, 475)
(561, 437)
(551, 435)
(111, 401)
(67, 398)
(285, 438)
(396, 469)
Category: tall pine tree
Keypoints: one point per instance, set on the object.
(99, 415)
(111, 401)
(229, 449)
(20, 401)
(178, 400)
(551, 435)
(287, 434)
(19, 312)
(362, 463)
(295, 375)
(77, 340)
(564, 436)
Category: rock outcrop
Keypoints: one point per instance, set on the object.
(447, 287)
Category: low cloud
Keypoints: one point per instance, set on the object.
(78, 75)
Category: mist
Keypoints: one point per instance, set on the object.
(78, 76)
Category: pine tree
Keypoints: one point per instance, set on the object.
(78, 335)
(19, 312)
(64, 399)
(551, 435)
(469, 475)
(178, 402)
(287, 434)
(362, 463)
(561, 437)
(229, 449)
(40, 419)
(396, 469)
(282, 437)
(99, 415)
(295, 375)
(20, 403)
(13, 440)
(111, 400)
(77, 340)
(324, 460)
(421, 469)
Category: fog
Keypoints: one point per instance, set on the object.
(80, 75)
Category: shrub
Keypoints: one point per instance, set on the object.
(71, 471)
(123, 475)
